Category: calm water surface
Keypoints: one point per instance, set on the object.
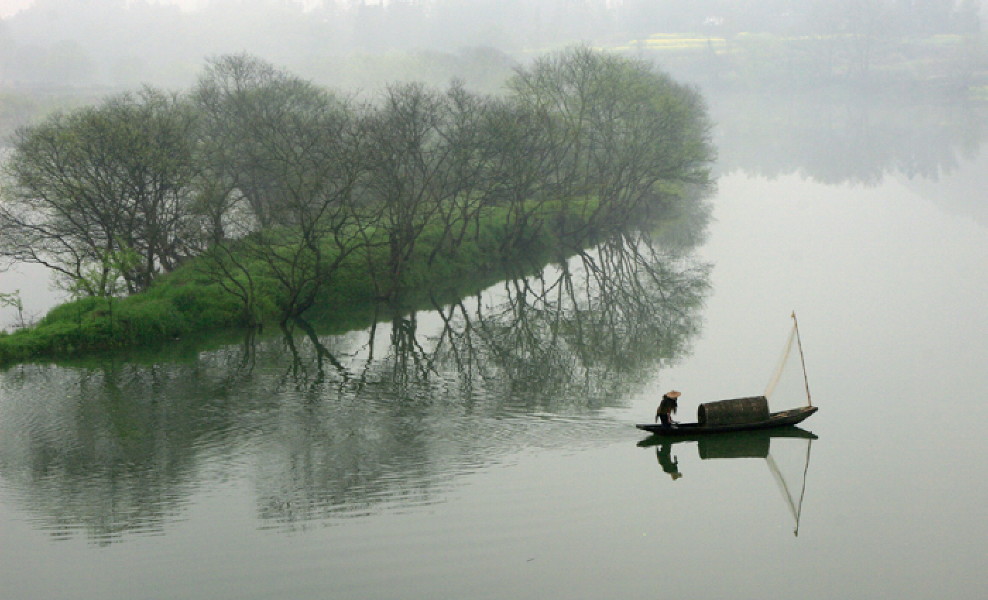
(487, 449)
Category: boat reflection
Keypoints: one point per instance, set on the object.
(789, 470)
(739, 444)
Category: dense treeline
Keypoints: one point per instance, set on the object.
(267, 193)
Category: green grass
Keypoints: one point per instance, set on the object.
(188, 301)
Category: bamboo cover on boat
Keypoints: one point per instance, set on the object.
(738, 410)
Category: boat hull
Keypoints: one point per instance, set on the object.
(777, 419)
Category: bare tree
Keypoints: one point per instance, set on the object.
(518, 168)
(290, 151)
(622, 135)
(102, 192)
(233, 96)
(419, 165)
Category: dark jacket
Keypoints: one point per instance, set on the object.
(667, 407)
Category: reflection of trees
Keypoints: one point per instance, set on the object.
(348, 424)
(103, 450)
(411, 392)
(580, 332)
(859, 138)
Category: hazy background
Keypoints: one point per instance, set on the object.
(58, 44)
(851, 187)
(899, 85)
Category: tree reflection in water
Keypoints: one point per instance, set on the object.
(335, 425)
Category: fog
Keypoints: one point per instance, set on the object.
(59, 54)
(851, 187)
(121, 43)
(898, 85)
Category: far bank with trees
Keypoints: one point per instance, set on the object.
(256, 195)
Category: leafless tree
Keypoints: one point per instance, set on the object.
(103, 193)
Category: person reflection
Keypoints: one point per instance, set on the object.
(668, 462)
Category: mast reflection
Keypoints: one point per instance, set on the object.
(747, 444)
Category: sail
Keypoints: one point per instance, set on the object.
(788, 387)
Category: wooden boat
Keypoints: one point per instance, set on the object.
(782, 418)
(745, 414)
(746, 438)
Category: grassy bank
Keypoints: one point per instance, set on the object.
(191, 300)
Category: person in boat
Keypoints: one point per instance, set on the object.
(667, 408)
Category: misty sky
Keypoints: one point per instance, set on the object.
(85, 43)
(9, 7)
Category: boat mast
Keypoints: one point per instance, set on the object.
(802, 361)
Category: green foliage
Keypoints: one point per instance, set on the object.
(270, 196)
(99, 193)
(13, 300)
(186, 301)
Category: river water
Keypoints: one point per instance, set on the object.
(486, 449)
